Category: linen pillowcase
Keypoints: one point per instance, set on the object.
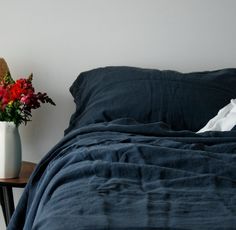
(185, 101)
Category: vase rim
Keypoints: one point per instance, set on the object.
(8, 122)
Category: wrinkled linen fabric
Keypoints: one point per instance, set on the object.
(127, 175)
(225, 120)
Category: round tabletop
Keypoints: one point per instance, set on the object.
(26, 170)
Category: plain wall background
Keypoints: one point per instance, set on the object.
(58, 39)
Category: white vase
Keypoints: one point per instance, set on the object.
(10, 150)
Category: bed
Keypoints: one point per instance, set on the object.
(131, 157)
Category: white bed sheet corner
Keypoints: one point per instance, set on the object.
(225, 120)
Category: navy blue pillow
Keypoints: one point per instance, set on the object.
(185, 101)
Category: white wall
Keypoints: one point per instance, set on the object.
(58, 39)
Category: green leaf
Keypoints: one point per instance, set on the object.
(8, 79)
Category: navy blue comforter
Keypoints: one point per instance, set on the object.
(126, 175)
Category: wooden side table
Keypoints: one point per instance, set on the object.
(6, 185)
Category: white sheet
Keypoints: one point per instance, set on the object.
(225, 120)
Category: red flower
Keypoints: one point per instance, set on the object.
(20, 88)
(25, 100)
(4, 97)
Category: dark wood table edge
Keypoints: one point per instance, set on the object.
(6, 192)
(19, 182)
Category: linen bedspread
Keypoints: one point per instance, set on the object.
(127, 175)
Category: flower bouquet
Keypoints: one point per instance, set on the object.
(18, 99)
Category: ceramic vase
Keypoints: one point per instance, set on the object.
(10, 150)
